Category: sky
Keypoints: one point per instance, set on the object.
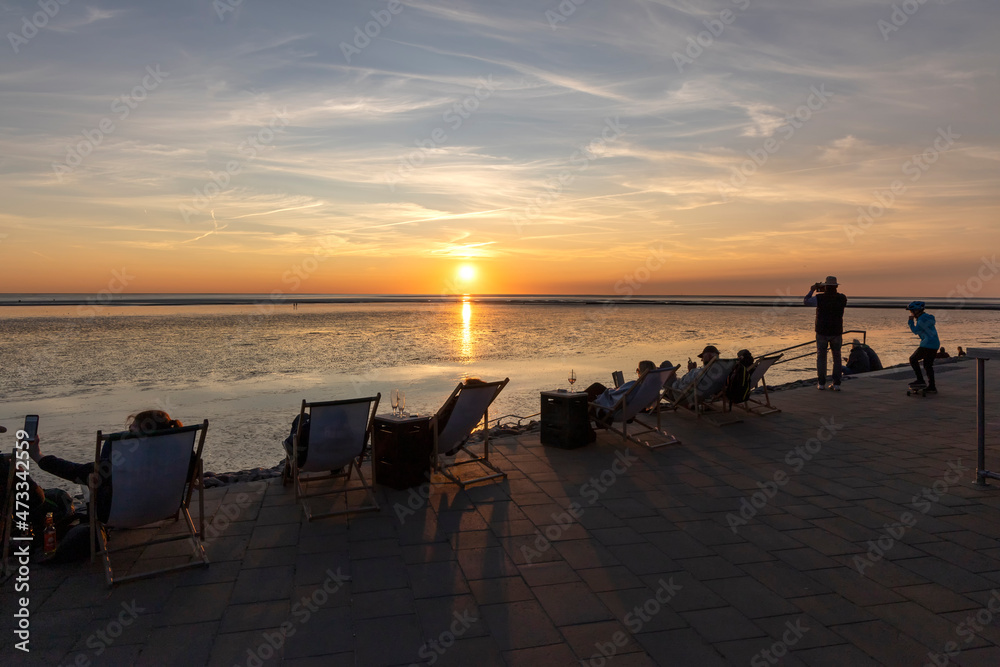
(627, 147)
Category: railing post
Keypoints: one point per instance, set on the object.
(981, 471)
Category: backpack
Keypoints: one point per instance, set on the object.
(738, 384)
(303, 441)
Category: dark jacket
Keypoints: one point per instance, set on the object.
(830, 313)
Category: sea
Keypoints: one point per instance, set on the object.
(246, 362)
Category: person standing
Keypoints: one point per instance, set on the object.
(922, 324)
(830, 306)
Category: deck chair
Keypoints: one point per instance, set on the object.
(705, 392)
(339, 432)
(643, 395)
(7, 516)
(153, 476)
(471, 407)
(760, 367)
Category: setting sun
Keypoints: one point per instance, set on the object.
(466, 272)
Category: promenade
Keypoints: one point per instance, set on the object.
(843, 531)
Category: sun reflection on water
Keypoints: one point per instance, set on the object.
(466, 330)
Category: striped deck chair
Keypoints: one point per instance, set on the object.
(453, 425)
(642, 396)
(338, 434)
(153, 476)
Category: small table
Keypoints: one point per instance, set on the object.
(401, 450)
(565, 420)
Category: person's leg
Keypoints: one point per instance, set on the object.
(929, 368)
(915, 364)
(836, 342)
(821, 343)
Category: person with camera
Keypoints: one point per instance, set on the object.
(923, 325)
(830, 306)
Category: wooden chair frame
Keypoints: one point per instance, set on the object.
(627, 408)
(483, 460)
(98, 536)
(300, 482)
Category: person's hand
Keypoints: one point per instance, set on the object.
(34, 451)
(692, 365)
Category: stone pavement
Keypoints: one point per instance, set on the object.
(843, 531)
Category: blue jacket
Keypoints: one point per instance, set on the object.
(923, 326)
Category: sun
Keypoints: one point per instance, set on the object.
(466, 272)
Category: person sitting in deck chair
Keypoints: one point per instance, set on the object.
(608, 398)
(710, 352)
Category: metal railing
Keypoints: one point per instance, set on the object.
(864, 338)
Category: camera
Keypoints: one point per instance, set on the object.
(819, 287)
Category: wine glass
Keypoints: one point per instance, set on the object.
(394, 400)
(402, 404)
(572, 379)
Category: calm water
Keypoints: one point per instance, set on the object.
(247, 367)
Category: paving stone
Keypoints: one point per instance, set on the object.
(378, 574)
(178, 644)
(517, 625)
(437, 579)
(885, 643)
(328, 631)
(639, 610)
(571, 604)
(951, 576)
(555, 654)
(263, 583)
(750, 597)
(381, 604)
(606, 638)
(832, 609)
(196, 604)
(458, 615)
(681, 647)
(784, 580)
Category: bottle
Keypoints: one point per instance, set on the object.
(49, 535)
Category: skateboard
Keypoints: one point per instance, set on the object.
(919, 390)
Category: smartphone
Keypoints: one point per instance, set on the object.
(31, 426)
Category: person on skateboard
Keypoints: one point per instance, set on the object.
(922, 324)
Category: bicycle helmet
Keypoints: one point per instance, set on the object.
(915, 305)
